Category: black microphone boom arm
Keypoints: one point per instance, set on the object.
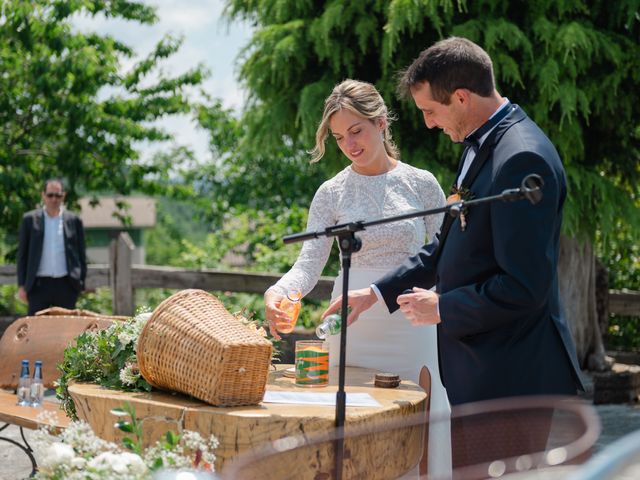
(530, 188)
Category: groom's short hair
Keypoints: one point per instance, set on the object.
(447, 65)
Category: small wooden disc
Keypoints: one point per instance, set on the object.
(386, 380)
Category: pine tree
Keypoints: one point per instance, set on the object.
(573, 65)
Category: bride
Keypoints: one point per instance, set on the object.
(376, 184)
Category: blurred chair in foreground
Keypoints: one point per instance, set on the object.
(500, 437)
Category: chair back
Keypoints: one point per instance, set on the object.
(41, 337)
(494, 438)
(425, 382)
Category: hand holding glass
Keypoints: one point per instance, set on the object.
(291, 306)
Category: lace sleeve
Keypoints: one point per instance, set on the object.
(433, 198)
(306, 271)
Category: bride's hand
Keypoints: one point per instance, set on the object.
(272, 313)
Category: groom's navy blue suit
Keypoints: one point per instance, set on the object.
(502, 331)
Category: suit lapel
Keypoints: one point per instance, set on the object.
(478, 162)
(38, 226)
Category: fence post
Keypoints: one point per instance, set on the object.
(120, 252)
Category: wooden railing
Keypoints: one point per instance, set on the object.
(124, 278)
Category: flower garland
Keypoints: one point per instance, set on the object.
(108, 357)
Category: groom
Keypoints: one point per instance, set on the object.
(501, 331)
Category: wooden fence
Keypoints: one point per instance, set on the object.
(123, 278)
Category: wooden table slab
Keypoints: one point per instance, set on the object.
(244, 429)
(30, 417)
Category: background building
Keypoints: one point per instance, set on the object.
(111, 215)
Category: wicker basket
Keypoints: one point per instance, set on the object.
(191, 344)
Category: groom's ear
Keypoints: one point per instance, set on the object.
(461, 96)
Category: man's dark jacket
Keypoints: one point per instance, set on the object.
(30, 248)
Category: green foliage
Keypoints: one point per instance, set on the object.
(247, 174)
(621, 256)
(98, 300)
(67, 109)
(572, 65)
(623, 334)
(132, 426)
(9, 303)
(106, 357)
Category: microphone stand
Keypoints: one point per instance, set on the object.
(349, 243)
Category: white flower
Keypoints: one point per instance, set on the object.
(47, 418)
(125, 337)
(128, 376)
(84, 441)
(120, 463)
(142, 317)
(78, 463)
(57, 454)
(134, 463)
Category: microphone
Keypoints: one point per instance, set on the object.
(531, 188)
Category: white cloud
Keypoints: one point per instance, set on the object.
(208, 40)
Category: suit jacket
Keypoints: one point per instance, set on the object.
(502, 330)
(30, 248)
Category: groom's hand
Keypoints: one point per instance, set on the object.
(359, 301)
(420, 306)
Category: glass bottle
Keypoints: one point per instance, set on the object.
(291, 306)
(331, 325)
(24, 384)
(37, 389)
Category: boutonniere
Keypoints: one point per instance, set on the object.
(458, 195)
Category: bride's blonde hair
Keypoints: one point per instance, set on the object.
(364, 100)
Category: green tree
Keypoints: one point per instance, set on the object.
(573, 65)
(68, 109)
(254, 194)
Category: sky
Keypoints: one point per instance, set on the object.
(207, 39)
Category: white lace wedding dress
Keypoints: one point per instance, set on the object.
(379, 340)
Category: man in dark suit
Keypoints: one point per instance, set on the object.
(501, 330)
(52, 265)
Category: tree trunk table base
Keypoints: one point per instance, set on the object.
(245, 429)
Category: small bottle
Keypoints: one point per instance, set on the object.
(329, 326)
(291, 306)
(37, 389)
(24, 384)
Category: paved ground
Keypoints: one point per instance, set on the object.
(617, 421)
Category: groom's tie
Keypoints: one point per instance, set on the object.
(472, 140)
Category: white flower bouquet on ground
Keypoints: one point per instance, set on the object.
(77, 453)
